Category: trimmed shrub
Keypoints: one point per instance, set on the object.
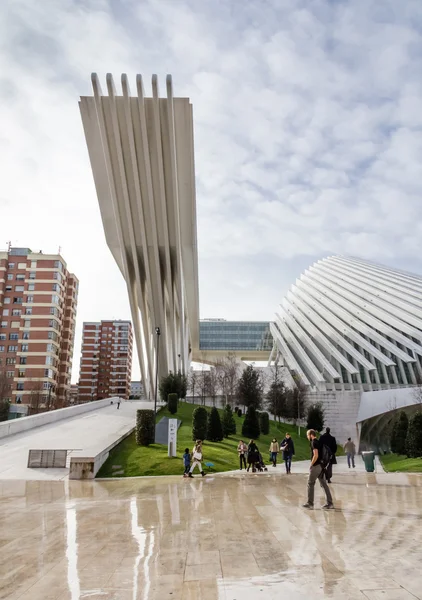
(399, 434)
(229, 424)
(250, 427)
(145, 427)
(414, 436)
(239, 412)
(264, 422)
(172, 400)
(214, 427)
(315, 417)
(199, 423)
(236, 408)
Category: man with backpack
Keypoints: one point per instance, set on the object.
(320, 458)
(329, 440)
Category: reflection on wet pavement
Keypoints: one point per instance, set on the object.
(220, 538)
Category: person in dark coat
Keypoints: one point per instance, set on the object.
(329, 440)
(288, 448)
(253, 455)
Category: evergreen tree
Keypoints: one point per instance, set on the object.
(414, 436)
(199, 423)
(229, 424)
(250, 388)
(172, 402)
(276, 400)
(296, 402)
(399, 434)
(182, 383)
(173, 383)
(214, 427)
(145, 427)
(277, 395)
(315, 417)
(250, 427)
(264, 423)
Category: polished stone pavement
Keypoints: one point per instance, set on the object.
(232, 537)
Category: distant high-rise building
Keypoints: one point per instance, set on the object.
(38, 300)
(106, 363)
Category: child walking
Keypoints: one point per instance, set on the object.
(197, 458)
(186, 462)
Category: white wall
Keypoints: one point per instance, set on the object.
(25, 423)
(377, 403)
(341, 412)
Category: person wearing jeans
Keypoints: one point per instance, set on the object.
(350, 450)
(288, 448)
(242, 450)
(274, 450)
(316, 472)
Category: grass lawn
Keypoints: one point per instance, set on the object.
(397, 463)
(137, 460)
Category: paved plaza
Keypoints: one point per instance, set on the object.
(231, 537)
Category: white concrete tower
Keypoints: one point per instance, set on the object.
(142, 157)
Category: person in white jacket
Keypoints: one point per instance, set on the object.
(197, 458)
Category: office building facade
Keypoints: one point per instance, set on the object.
(235, 336)
(38, 302)
(106, 362)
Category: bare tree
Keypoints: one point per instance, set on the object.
(212, 384)
(277, 394)
(193, 381)
(5, 392)
(4, 386)
(227, 372)
(417, 391)
(221, 376)
(203, 384)
(297, 401)
(36, 396)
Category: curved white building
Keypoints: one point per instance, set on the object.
(348, 324)
(351, 330)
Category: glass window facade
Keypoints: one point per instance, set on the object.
(235, 335)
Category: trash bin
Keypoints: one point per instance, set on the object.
(369, 461)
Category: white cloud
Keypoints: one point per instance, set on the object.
(307, 134)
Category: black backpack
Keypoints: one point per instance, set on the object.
(326, 456)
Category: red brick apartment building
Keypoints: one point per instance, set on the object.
(106, 363)
(38, 300)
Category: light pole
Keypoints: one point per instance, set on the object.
(298, 412)
(158, 332)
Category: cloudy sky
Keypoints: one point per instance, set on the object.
(308, 135)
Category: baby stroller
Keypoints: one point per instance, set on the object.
(260, 465)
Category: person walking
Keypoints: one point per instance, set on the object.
(274, 450)
(242, 450)
(316, 471)
(253, 456)
(118, 403)
(350, 450)
(329, 440)
(186, 462)
(288, 448)
(197, 458)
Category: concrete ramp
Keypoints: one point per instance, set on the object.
(87, 437)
